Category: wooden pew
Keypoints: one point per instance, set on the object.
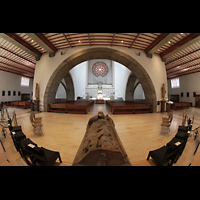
(20, 104)
(14, 104)
(71, 107)
(23, 104)
(79, 107)
(57, 108)
(125, 107)
(180, 105)
(122, 109)
(143, 108)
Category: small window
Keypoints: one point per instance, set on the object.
(175, 83)
(24, 81)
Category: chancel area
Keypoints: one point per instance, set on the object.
(101, 79)
(99, 99)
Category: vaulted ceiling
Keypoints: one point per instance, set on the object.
(179, 51)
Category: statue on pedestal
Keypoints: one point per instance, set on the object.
(37, 96)
(163, 101)
(37, 91)
(163, 91)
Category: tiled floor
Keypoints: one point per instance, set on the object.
(139, 133)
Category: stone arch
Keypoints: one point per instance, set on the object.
(64, 86)
(100, 53)
(131, 86)
(135, 87)
(70, 87)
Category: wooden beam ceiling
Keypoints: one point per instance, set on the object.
(179, 51)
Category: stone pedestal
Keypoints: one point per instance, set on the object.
(36, 105)
(163, 106)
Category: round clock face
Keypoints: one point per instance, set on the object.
(100, 69)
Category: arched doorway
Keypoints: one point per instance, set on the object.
(100, 53)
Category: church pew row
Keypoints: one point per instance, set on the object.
(126, 107)
(180, 105)
(20, 104)
(71, 107)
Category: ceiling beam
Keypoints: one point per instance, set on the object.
(44, 42)
(182, 44)
(14, 68)
(21, 64)
(134, 40)
(15, 72)
(19, 42)
(112, 39)
(89, 39)
(39, 41)
(182, 63)
(67, 40)
(16, 54)
(189, 67)
(159, 42)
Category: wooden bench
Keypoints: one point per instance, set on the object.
(14, 104)
(23, 104)
(117, 109)
(20, 104)
(142, 108)
(71, 107)
(180, 105)
(80, 107)
(125, 107)
(57, 108)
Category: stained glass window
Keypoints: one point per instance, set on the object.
(100, 69)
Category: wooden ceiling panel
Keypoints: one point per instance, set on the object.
(181, 59)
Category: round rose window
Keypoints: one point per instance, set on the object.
(100, 69)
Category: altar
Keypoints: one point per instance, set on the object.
(100, 92)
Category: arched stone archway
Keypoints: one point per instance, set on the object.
(100, 53)
(131, 87)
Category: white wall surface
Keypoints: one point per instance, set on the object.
(139, 93)
(79, 77)
(121, 75)
(188, 83)
(61, 93)
(12, 82)
(47, 65)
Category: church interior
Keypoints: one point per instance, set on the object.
(99, 99)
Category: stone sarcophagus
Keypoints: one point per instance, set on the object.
(101, 145)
